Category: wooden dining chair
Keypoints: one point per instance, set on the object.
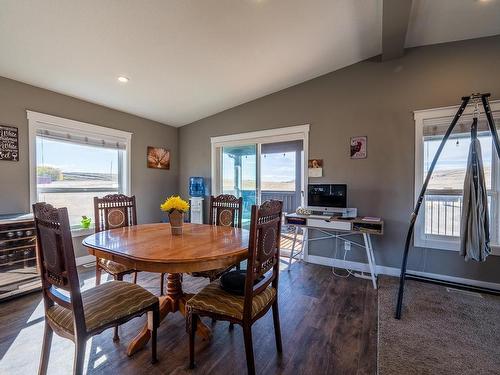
(261, 285)
(110, 212)
(116, 211)
(74, 314)
(225, 210)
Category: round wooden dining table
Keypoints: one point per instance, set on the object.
(152, 248)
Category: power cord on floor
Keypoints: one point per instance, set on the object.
(349, 271)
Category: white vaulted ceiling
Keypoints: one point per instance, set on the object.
(188, 59)
(440, 21)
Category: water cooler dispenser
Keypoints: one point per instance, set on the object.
(196, 193)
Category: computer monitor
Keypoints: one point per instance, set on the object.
(326, 197)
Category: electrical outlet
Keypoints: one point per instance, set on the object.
(347, 246)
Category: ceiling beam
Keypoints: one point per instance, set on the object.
(396, 14)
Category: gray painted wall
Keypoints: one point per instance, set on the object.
(377, 100)
(149, 185)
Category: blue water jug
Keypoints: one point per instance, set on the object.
(196, 186)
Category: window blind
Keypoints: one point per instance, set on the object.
(280, 147)
(462, 128)
(439, 126)
(81, 138)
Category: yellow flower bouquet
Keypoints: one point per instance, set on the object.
(175, 203)
(175, 206)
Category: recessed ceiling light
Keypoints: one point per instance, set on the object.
(123, 79)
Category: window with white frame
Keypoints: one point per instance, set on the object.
(73, 162)
(438, 224)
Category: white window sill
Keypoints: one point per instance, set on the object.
(437, 242)
(82, 232)
(448, 245)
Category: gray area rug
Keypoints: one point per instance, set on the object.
(440, 332)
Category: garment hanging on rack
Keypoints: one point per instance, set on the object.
(470, 202)
(474, 227)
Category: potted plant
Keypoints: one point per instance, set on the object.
(175, 206)
(85, 222)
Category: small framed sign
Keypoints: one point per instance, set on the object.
(358, 147)
(9, 143)
(315, 167)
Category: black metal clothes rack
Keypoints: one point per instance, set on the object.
(408, 276)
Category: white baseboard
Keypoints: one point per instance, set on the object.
(393, 271)
(85, 259)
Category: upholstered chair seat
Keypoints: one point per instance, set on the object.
(104, 304)
(217, 301)
(212, 274)
(113, 268)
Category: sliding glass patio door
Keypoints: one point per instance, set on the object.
(261, 165)
(239, 175)
(262, 171)
(281, 173)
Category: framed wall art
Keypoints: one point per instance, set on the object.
(158, 158)
(358, 147)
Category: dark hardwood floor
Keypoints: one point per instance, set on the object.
(328, 324)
